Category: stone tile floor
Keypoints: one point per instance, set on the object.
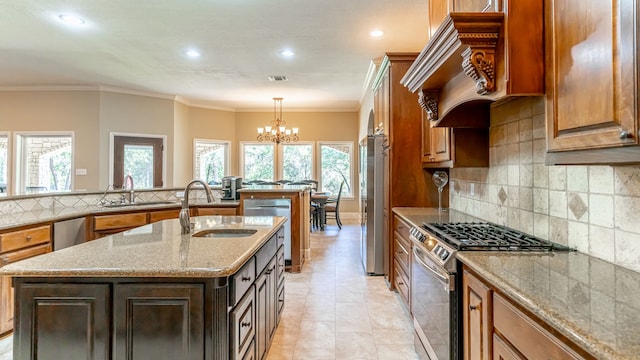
(333, 310)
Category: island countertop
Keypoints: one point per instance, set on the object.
(156, 250)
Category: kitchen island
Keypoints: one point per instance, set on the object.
(154, 293)
(298, 226)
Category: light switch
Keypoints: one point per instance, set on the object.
(472, 189)
(81, 171)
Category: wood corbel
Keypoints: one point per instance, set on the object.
(428, 100)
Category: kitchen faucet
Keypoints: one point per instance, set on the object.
(128, 179)
(185, 220)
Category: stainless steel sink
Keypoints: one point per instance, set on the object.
(224, 233)
(142, 203)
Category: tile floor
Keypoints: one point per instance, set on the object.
(332, 310)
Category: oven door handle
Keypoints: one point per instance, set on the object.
(442, 278)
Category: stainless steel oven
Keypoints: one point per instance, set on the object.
(434, 299)
(435, 286)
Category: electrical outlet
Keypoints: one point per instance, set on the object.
(180, 194)
(472, 189)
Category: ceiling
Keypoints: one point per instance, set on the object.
(140, 45)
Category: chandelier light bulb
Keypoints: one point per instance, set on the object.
(260, 130)
(287, 132)
(267, 129)
(295, 131)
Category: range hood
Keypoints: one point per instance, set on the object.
(476, 58)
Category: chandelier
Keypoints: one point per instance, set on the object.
(278, 131)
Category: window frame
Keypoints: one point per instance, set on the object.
(19, 158)
(241, 157)
(280, 158)
(112, 136)
(8, 190)
(227, 154)
(319, 145)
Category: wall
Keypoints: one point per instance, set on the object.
(591, 208)
(212, 124)
(182, 146)
(314, 126)
(135, 114)
(75, 111)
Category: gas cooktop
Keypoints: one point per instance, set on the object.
(488, 236)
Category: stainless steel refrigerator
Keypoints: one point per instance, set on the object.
(371, 187)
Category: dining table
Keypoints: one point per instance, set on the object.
(320, 199)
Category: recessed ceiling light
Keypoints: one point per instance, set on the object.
(287, 53)
(71, 19)
(193, 53)
(376, 33)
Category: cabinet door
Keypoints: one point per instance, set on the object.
(163, 215)
(591, 82)
(159, 321)
(476, 318)
(502, 350)
(243, 329)
(262, 309)
(6, 304)
(66, 321)
(440, 144)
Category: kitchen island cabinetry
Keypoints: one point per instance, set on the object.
(115, 297)
(496, 328)
(592, 82)
(15, 245)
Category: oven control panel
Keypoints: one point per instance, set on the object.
(441, 252)
(417, 234)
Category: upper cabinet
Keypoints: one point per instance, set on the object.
(592, 81)
(479, 51)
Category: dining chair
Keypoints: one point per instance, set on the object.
(332, 208)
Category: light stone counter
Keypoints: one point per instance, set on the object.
(594, 303)
(12, 219)
(155, 250)
(274, 188)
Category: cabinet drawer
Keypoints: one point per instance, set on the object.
(23, 238)
(401, 226)
(265, 254)
(526, 335)
(402, 284)
(281, 265)
(241, 281)
(402, 252)
(107, 222)
(243, 328)
(280, 305)
(203, 211)
(14, 256)
(163, 215)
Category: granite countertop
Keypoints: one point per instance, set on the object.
(274, 188)
(23, 218)
(592, 302)
(156, 250)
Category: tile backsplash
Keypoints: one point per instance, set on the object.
(592, 208)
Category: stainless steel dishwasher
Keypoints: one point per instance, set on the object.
(273, 207)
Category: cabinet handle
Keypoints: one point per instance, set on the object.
(245, 324)
(400, 283)
(624, 134)
(268, 272)
(473, 307)
(246, 278)
(28, 237)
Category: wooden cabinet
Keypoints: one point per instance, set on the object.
(56, 314)
(402, 259)
(17, 245)
(103, 225)
(203, 211)
(266, 308)
(495, 328)
(453, 147)
(591, 81)
(476, 318)
(160, 215)
(176, 313)
(405, 182)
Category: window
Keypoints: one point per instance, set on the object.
(138, 156)
(297, 162)
(336, 161)
(4, 163)
(258, 161)
(44, 163)
(211, 160)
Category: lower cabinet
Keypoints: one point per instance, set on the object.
(266, 308)
(495, 328)
(159, 321)
(402, 259)
(243, 327)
